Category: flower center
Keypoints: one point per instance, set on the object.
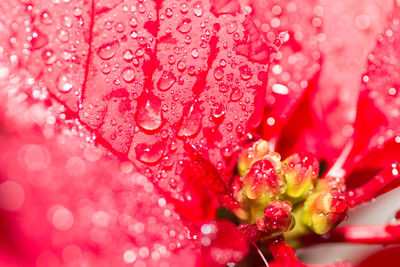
(285, 196)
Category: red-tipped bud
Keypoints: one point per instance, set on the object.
(278, 218)
(262, 184)
(252, 154)
(324, 208)
(301, 171)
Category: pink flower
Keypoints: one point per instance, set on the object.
(140, 132)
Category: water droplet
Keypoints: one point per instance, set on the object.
(168, 12)
(245, 72)
(181, 66)
(139, 52)
(192, 70)
(171, 59)
(106, 69)
(166, 81)
(150, 154)
(128, 74)
(195, 53)
(223, 88)
(128, 55)
(39, 40)
(141, 8)
(64, 84)
(219, 73)
(133, 22)
(231, 27)
(236, 94)
(119, 27)
(188, 39)
(185, 26)
(218, 112)
(191, 122)
(142, 41)
(184, 8)
(108, 50)
(108, 25)
(198, 9)
(46, 18)
(148, 113)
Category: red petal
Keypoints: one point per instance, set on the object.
(147, 77)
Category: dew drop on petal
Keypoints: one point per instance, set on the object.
(148, 114)
(128, 55)
(195, 53)
(191, 122)
(166, 81)
(231, 27)
(150, 154)
(108, 50)
(236, 94)
(198, 9)
(185, 26)
(128, 74)
(219, 73)
(168, 12)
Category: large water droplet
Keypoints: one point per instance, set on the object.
(191, 122)
(128, 74)
(245, 72)
(168, 12)
(198, 9)
(219, 73)
(150, 154)
(185, 26)
(128, 55)
(195, 53)
(231, 27)
(181, 65)
(108, 50)
(148, 113)
(166, 81)
(236, 94)
(218, 112)
(184, 8)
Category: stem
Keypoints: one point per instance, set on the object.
(386, 180)
(283, 253)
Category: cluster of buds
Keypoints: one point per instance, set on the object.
(273, 190)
